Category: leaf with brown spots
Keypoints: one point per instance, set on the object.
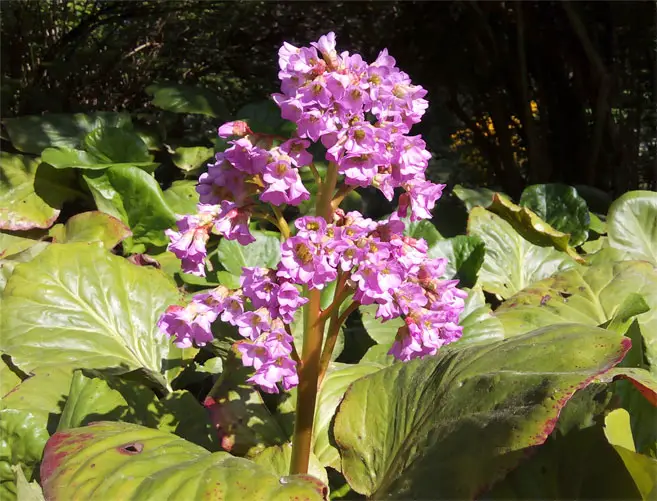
(108, 460)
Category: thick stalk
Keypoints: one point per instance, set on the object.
(312, 349)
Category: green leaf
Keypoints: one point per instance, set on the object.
(264, 252)
(192, 157)
(244, 425)
(632, 225)
(8, 265)
(129, 462)
(450, 425)
(596, 224)
(91, 226)
(561, 207)
(478, 321)
(97, 397)
(182, 197)
(643, 469)
(531, 227)
(103, 147)
(264, 117)
(277, 459)
(337, 380)
(27, 491)
(79, 304)
(581, 465)
(423, 229)
(480, 197)
(32, 134)
(27, 417)
(179, 98)
(12, 243)
(21, 208)
(134, 197)
(116, 145)
(380, 332)
(590, 296)
(464, 254)
(511, 263)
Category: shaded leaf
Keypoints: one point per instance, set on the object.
(32, 134)
(263, 117)
(20, 206)
(95, 397)
(561, 207)
(581, 465)
(27, 417)
(180, 98)
(464, 254)
(480, 197)
(192, 157)
(449, 426)
(243, 423)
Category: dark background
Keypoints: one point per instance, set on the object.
(589, 68)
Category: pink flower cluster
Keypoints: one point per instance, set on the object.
(261, 309)
(330, 95)
(362, 113)
(384, 268)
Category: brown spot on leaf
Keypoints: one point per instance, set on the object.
(131, 449)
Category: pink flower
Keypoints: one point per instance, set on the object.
(238, 128)
(233, 223)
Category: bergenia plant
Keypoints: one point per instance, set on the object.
(362, 113)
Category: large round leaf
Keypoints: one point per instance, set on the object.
(103, 147)
(134, 197)
(20, 206)
(561, 207)
(450, 425)
(590, 296)
(511, 262)
(129, 462)
(79, 304)
(32, 134)
(632, 225)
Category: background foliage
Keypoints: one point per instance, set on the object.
(521, 92)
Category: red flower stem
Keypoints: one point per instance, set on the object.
(312, 349)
